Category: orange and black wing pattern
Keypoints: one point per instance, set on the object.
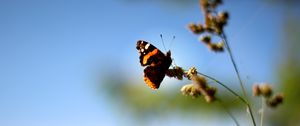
(156, 62)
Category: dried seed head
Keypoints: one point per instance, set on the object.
(256, 90)
(271, 103)
(279, 98)
(193, 27)
(220, 46)
(176, 72)
(199, 81)
(275, 100)
(186, 89)
(218, 29)
(190, 90)
(216, 47)
(199, 86)
(192, 71)
(211, 91)
(205, 39)
(196, 29)
(223, 16)
(210, 20)
(208, 28)
(266, 90)
(204, 4)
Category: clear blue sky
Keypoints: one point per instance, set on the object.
(51, 50)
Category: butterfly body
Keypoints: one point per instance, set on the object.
(157, 63)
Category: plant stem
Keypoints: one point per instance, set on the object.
(230, 90)
(224, 38)
(228, 112)
(262, 111)
(235, 94)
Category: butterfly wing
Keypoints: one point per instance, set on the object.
(149, 54)
(157, 63)
(153, 76)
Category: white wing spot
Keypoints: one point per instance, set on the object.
(147, 46)
(142, 50)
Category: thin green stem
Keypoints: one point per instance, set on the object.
(262, 111)
(228, 112)
(224, 38)
(230, 90)
(235, 94)
(251, 114)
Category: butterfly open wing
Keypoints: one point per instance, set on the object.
(154, 75)
(156, 62)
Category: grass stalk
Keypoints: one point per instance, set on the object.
(235, 94)
(224, 38)
(262, 111)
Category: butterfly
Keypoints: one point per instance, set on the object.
(157, 63)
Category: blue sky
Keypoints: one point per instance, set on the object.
(51, 50)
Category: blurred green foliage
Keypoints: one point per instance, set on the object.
(289, 76)
(144, 102)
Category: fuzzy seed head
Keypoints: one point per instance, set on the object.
(204, 4)
(256, 90)
(275, 100)
(205, 39)
(192, 71)
(266, 90)
(177, 72)
(199, 81)
(190, 90)
(196, 29)
(279, 98)
(223, 15)
(211, 91)
(216, 47)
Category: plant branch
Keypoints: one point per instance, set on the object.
(224, 38)
(235, 94)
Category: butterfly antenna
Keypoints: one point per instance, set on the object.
(173, 63)
(161, 37)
